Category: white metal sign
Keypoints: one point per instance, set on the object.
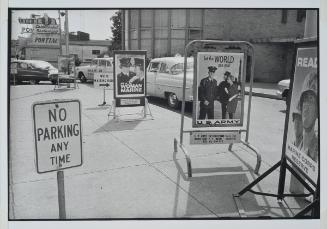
(103, 80)
(215, 137)
(57, 133)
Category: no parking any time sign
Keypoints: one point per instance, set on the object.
(57, 134)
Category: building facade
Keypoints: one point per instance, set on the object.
(165, 32)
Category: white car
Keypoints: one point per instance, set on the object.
(283, 88)
(86, 72)
(165, 79)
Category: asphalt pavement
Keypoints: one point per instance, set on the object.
(130, 169)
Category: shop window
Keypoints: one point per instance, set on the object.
(284, 16)
(300, 15)
(96, 52)
(194, 34)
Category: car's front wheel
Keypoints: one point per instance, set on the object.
(173, 101)
(82, 77)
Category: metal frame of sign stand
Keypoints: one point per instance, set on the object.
(284, 165)
(248, 49)
(145, 111)
(104, 103)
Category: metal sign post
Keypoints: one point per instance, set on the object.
(304, 84)
(216, 132)
(58, 140)
(13, 71)
(61, 194)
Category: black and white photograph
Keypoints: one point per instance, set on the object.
(219, 81)
(129, 75)
(232, 135)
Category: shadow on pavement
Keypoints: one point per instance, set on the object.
(213, 192)
(114, 125)
(163, 104)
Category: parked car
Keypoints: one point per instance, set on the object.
(283, 88)
(86, 72)
(165, 79)
(33, 71)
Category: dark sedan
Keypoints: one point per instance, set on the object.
(32, 71)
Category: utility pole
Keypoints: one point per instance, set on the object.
(66, 32)
(60, 33)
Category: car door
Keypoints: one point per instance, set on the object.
(163, 80)
(37, 73)
(151, 78)
(23, 74)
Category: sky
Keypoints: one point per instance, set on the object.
(95, 22)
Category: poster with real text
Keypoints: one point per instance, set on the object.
(302, 144)
(219, 92)
(129, 74)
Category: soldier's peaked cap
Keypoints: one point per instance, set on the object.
(125, 62)
(227, 73)
(212, 69)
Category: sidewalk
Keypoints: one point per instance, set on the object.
(130, 168)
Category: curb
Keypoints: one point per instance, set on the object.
(269, 96)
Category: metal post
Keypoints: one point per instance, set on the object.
(282, 177)
(183, 98)
(250, 97)
(60, 33)
(61, 194)
(66, 32)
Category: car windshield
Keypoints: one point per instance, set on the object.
(179, 68)
(94, 62)
(42, 65)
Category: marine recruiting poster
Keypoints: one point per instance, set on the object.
(302, 144)
(129, 78)
(219, 91)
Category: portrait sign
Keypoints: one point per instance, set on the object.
(129, 78)
(219, 91)
(302, 144)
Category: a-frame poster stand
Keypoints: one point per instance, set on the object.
(305, 79)
(129, 86)
(146, 111)
(195, 47)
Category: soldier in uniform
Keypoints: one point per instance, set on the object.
(139, 71)
(207, 94)
(308, 106)
(222, 94)
(125, 75)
